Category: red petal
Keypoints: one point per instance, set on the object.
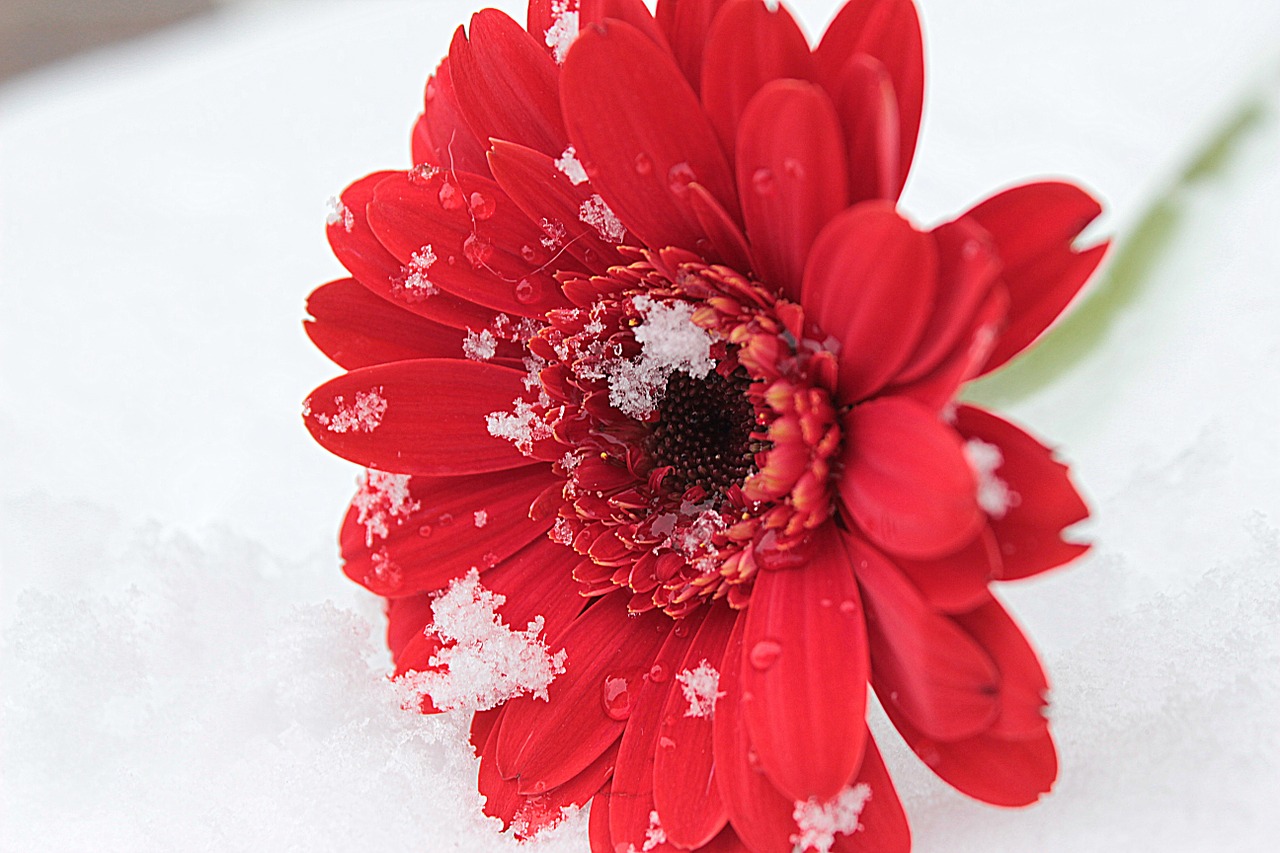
(889, 31)
(356, 329)
(907, 482)
(864, 98)
(805, 672)
(545, 193)
(406, 618)
(957, 582)
(759, 814)
(538, 581)
(921, 663)
(749, 45)
(633, 778)
(989, 768)
(1022, 682)
(870, 282)
(686, 24)
(443, 138)
(475, 236)
(439, 541)
(598, 825)
(1030, 533)
(418, 417)
(640, 131)
(376, 268)
(548, 743)
(791, 177)
(684, 787)
(1034, 228)
(725, 238)
(507, 85)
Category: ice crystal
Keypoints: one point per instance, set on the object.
(701, 687)
(570, 167)
(364, 415)
(382, 498)
(479, 346)
(820, 822)
(563, 30)
(596, 213)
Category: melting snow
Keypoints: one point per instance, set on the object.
(570, 167)
(339, 212)
(701, 687)
(670, 342)
(364, 415)
(820, 823)
(596, 213)
(994, 494)
(382, 497)
(562, 32)
(481, 517)
(488, 663)
(479, 346)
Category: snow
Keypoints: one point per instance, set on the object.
(819, 823)
(183, 665)
(485, 662)
(994, 495)
(670, 342)
(521, 426)
(416, 282)
(570, 167)
(479, 346)
(563, 30)
(382, 500)
(596, 213)
(364, 414)
(701, 688)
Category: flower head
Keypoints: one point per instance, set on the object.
(662, 373)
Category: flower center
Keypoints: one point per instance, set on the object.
(704, 433)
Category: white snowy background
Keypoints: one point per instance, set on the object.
(183, 665)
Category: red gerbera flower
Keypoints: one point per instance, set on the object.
(642, 356)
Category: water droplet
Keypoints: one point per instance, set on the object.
(444, 519)
(681, 629)
(679, 177)
(969, 249)
(431, 88)
(643, 164)
(794, 168)
(482, 207)
(424, 531)
(848, 607)
(825, 602)
(764, 182)
(477, 249)
(529, 253)
(623, 847)
(450, 197)
(659, 672)
(618, 697)
(528, 291)
(765, 654)
(539, 786)
(666, 742)
(753, 760)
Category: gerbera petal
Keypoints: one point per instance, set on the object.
(684, 787)
(1035, 228)
(957, 582)
(462, 234)
(1041, 500)
(748, 45)
(550, 198)
(537, 582)
(870, 283)
(630, 817)
(686, 24)
(792, 177)
(864, 98)
(889, 31)
(907, 482)
(805, 672)
(1022, 682)
(442, 136)
(882, 823)
(364, 256)
(356, 328)
(457, 524)
(406, 617)
(598, 823)
(507, 85)
(1000, 771)
(758, 812)
(726, 241)
(546, 743)
(921, 662)
(418, 417)
(642, 134)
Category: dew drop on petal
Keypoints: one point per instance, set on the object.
(424, 531)
(477, 249)
(482, 207)
(848, 607)
(539, 786)
(794, 168)
(643, 164)
(666, 743)
(444, 519)
(764, 182)
(753, 760)
(529, 253)
(681, 629)
(527, 291)
(659, 672)
(450, 197)
(618, 697)
(765, 654)
(679, 177)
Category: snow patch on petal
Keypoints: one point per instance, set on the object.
(596, 213)
(820, 822)
(521, 426)
(364, 415)
(670, 341)
(339, 213)
(382, 499)
(994, 495)
(701, 687)
(416, 284)
(563, 30)
(484, 662)
(571, 167)
(479, 346)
